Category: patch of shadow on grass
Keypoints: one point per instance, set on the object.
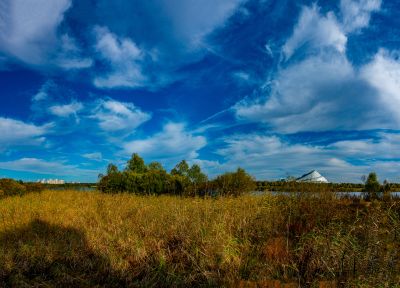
(46, 255)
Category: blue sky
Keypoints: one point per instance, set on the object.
(276, 87)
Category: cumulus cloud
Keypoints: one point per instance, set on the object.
(322, 90)
(383, 73)
(114, 116)
(271, 157)
(15, 133)
(29, 28)
(174, 143)
(317, 94)
(315, 31)
(124, 59)
(356, 14)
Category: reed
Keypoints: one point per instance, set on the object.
(85, 239)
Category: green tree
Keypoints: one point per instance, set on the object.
(198, 180)
(182, 169)
(372, 186)
(111, 169)
(234, 183)
(136, 164)
(196, 175)
(155, 166)
(113, 182)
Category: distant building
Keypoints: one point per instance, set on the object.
(313, 177)
(51, 181)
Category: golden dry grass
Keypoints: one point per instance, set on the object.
(86, 239)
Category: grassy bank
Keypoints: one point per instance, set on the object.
(84, 239)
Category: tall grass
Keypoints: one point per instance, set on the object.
(85, 239)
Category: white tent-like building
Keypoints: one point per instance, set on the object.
(313, 177)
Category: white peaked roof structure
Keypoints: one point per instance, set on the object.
(312, 176)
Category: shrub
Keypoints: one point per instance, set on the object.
(11, 187)
(372, 186)
(234, 183)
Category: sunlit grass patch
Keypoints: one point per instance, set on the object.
(89, 238)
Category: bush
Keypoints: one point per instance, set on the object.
(234, 183)
(372, 186)
(11, 187)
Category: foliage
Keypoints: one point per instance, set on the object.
(10, 187)
(185, 180)
(372, 186)
(81, 239)
(136, 164)
(234, 183)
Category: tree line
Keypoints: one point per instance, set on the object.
(153, 179)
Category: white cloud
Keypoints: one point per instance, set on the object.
(315, 32)
(174, 143)
(319, 93)
(386, 147)
(193, 20)
(356, 14)
(66, 110)
(40, 166)
(29, 33)
(323, 91)
(324, 94)
(383, 73)
(124, 60)
(270, 157)
(16, 133)
(114, 116)
(44, 91)
(70, 57)
(242, 76)
(163, 36)
(97, 156)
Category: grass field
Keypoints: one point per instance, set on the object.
(86, 239)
